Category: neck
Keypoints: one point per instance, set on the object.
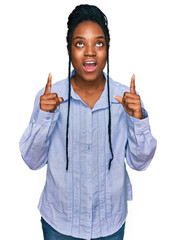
(88, 85)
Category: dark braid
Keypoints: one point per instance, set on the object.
(109, 124)
(69, 94)
(80, 14)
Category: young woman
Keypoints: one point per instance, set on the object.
(83, 128)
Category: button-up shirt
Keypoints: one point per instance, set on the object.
(89, 200)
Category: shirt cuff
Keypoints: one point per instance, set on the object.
(44, 118)
(139, 125)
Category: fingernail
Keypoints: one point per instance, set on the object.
(114, 96)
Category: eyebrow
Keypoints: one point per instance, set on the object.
(78, 37)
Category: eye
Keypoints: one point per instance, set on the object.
(99, 44)
(80, 44)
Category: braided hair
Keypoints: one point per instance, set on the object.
(80, 14)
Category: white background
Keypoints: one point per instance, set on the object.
(32, 44)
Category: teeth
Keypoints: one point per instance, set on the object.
(89, 63)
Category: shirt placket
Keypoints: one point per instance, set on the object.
(82, 218)
(88, 164)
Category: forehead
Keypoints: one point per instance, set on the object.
(88, 28)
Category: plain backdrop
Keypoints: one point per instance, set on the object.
(32, 44)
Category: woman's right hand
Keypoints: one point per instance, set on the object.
(49, 101)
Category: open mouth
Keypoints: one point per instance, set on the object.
(89, 66)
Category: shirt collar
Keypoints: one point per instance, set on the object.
(103, 100)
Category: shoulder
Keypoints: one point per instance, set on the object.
(59, 87)
(60, 83)
(118, 88)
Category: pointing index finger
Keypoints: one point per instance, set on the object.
(48, 85)
(132, 85)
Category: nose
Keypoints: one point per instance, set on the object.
(90, 50)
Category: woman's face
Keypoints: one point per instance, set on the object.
(88, 51)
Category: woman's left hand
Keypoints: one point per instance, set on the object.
(131, 101)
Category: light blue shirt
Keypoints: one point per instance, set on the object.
(89, 200)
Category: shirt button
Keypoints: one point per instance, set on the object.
(89, 147)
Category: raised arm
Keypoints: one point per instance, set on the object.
(35, 142)
(141, 145)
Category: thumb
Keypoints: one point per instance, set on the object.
(118, 98)
(61, 100)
